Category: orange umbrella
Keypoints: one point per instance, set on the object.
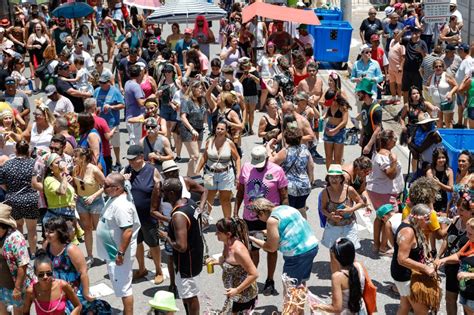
(276, 12)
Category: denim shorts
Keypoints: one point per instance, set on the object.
(6, 297)
(470, 113)
(299, 267)
(253, 99)
(222, 181)
(95, 207)
(168, 113)
(337, 138)
(465, 302)
(66, 212)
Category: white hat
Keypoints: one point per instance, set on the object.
(389, 10)
(364, 47)
(426, 118)
(453, 2)
(259, 156)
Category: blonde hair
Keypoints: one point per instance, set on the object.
(262, 205)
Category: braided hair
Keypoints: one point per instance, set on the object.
(236, 227)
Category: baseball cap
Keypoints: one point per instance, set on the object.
(300, 4)
(302, 27)
(50, 90)
(465, 47)
(188, 30)
(397, 6)
(374, 37)
(10, 80)
(364, 47)
(450, 47)
(134, 151)
(169, 166)
(105, 77)
(259, 156)
(415, 29)
(63, 66)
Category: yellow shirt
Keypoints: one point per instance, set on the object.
(434, 223)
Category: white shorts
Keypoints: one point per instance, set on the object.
(332, 233)
(187, 287)
(115, 140)
(121, 277)
(134, 133)
(403, 287)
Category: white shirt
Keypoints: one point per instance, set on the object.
(60, 107)
(306, 40)
(466, 68)
(88, 62)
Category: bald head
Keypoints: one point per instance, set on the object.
(288, 107)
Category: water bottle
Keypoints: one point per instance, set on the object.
(30, 84)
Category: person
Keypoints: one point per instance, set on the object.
(267, 67)
(15, 176)
(391, 220)
(109, 26)
(221, 162)
(464, 258)
(239, 273)
(117, 233)
(451, 33)
(39, 132)
(167, 88)
(143, 178)
(283, 82)
(410, 254)
(156, 147)
(36, 44)
(391, 28)
(231, 53)
(443, 175)
(68, 261)
(68, 90)
(298, 165)
(369, 26)
(99, 70)
(88, 180)
(185, 238)
(17, 99)
(385, 182)
(59, 33)
(442, 88)
(282, 39)
(134, 103)
(339, 211)
(347, 281)
(86, 38)
(288, 232)
(465, 70)
(370, 115)
(11, 133)
(49, 294)
(269, 126)
(250, 79)
(174, 37)
(261, 178)
(57, 104)
(455, 240)
(79, 51)
(65, 142)
(183, 45)
(89, 138)
(355, 174)
(16, 271)
(425, 140)
(203, 34)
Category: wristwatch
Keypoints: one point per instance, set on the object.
(119, 253)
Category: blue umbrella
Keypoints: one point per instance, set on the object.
(73, 10)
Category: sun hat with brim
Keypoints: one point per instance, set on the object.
(164, 301)
(426, 119)
(384, 209)
(365, 85)
(169, 166)
(259, 156)
(5, 215)
(335, 170)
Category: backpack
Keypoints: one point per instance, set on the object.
(42, 71)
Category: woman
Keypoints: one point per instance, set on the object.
(291, 234)
(347, 281)
(410, 253)
(68, 261)
(231, 53)
(89, 138)
(147, 83)
(18, 73)
(110, 27)
(451, 34)
(138, 23)
(99, 70)
(298, 68)
(49, 294)
(463, 176)
(385, 182)
(455, 240)
(17, 35)
(41, 130)
(167, 88)
(296, 161)
(334, 89)
(444, 177)
(221, 163)
(16, 176)
(16, 270)
(86, 38)
(334, 136)
(175, 35)
(250, 80)
(156, 147)
(442, 88)
(269, 126)
(339, 202)
(282, 82)
(267, 67)
(88, 181)
(36, 44)
(192, 64)
(10, 133)
(239, 272)
(203, 34)
(192, 124)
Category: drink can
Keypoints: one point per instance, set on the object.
(210, 267)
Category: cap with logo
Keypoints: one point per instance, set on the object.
(105, 77)
(10, 80)
(259, 156)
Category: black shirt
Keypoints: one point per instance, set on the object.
(413, 58)
(124, 65)
(249, 85)
(367, 122)
(370, 27)
(62, 87)
(398, 272)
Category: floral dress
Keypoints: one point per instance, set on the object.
(15, 253)
(295, 167)
(233, 276)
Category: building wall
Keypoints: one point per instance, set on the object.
(466, 7)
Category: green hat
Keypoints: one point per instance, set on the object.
(164, 301)
(383, 210)
(365, 85)
(335, 170)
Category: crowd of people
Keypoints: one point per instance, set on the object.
(61, 158)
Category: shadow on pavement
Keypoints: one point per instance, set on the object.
(322, 292)
(321, 269)
(387, 288)
(266, 310)
(366, 249)
(150, 292)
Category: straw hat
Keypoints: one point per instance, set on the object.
(5, 215)
(164, 301)
(425, 118)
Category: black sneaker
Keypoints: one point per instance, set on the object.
(178, 159)
(269, 288)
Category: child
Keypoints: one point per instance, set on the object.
(391, 221)
(82, 76)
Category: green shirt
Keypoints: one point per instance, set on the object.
(50, 186)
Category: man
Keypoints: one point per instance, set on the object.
(378, 54)
(453, 9)
(125, 64)
(451, 59)
(390, 28)
(16, 98)
(117, 233)
(370, 116)
(184, 44)
(69, 46)
(150, 53)
(282, 39)
(288, 108)
(185, 238)
(228, 74)
(57, 104)
(110, 102)
(68, 90)
(304, 39)
(134, 103)
(80, 52)
(203, 59)
(371, 25)
(143, 178)
(61, 128)
(261, 179)
(60, 32)
(465, 69)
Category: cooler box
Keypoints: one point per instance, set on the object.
(328, 14)
(332, 40)
(455, 141)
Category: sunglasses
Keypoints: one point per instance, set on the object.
(46, 273)
(367, 52)
(54, 149)
(99, 62)
(150, 127)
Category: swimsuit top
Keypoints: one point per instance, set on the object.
(56, 307)
(338, 113)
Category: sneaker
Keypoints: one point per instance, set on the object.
(178, 159)
(159, 279)
(269, 288)
(89, 261)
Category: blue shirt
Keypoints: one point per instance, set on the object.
(110, 97)
(133, 92)
(296, 236)
(370, 70)
(180, 46)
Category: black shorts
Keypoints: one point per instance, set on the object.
(149, 233)
(240, 307)
(452, 283)
(255, 226)
(410, 79)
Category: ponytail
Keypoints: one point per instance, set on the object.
(236, 227)
(355, 290)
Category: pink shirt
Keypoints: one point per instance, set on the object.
(265, 184)
(102, 127)
(204, 61)
(395, 55)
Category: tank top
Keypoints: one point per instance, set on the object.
(451, 33)
(297, 78)
(87, 185)
(399, 272)
(41, 140)
(56, 307)
(142, 186)
(218, 159)
(346, 292)
(442, 196)
(146, 87)
(83, 143)
(334, 205)
(156, 146)
(270, 126)
(439, 88)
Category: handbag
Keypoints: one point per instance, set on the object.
(446, 106)
(425, 290)
(370, 292)
(208, 179)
